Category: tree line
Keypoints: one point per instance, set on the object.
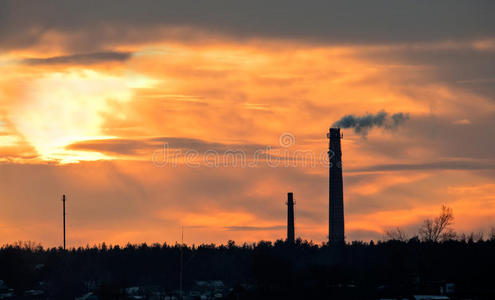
(397, 266)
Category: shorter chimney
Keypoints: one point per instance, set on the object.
(290, 218)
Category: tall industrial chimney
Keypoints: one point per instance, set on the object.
(336, 195)
(63, 200)
(290, 218)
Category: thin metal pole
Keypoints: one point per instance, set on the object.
(63, 200)
(181, 262)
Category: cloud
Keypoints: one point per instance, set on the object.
(228, 79)
(438, 165)
(137, 146)
(26, 23)
(13, 146)
(113, 146)
(460, 64)
(435, 140)
(462, 122)
(86, 58)
(120, 201)
(254, 228)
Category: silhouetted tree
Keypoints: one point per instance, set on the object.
(438, 228)
(263, 270)
(492, 234)
(396, 234)
(471, 237)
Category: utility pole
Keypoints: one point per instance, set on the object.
(63, 200)
(181, 262)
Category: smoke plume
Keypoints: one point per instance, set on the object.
(361, 124)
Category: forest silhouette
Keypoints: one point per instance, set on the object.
(395, 267)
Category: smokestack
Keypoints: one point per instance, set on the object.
(63, 200)
(290, 218)
(336, 190)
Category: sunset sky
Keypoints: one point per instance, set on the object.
(121, 105)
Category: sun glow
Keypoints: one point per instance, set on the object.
(61, 108)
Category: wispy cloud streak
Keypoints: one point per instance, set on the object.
(85, 58)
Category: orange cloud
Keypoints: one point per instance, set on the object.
(90, 130)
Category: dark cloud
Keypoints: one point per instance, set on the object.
(113, 146)
(438, 165)
(460, 66)
(87, 58)
(202, 146)
(131, 146)
(254, 228)
(97, 23)
(448, 139)
(441, 139)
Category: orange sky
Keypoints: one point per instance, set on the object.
(90, 122)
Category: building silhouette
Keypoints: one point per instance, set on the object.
(290, 218)
(336, 195)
